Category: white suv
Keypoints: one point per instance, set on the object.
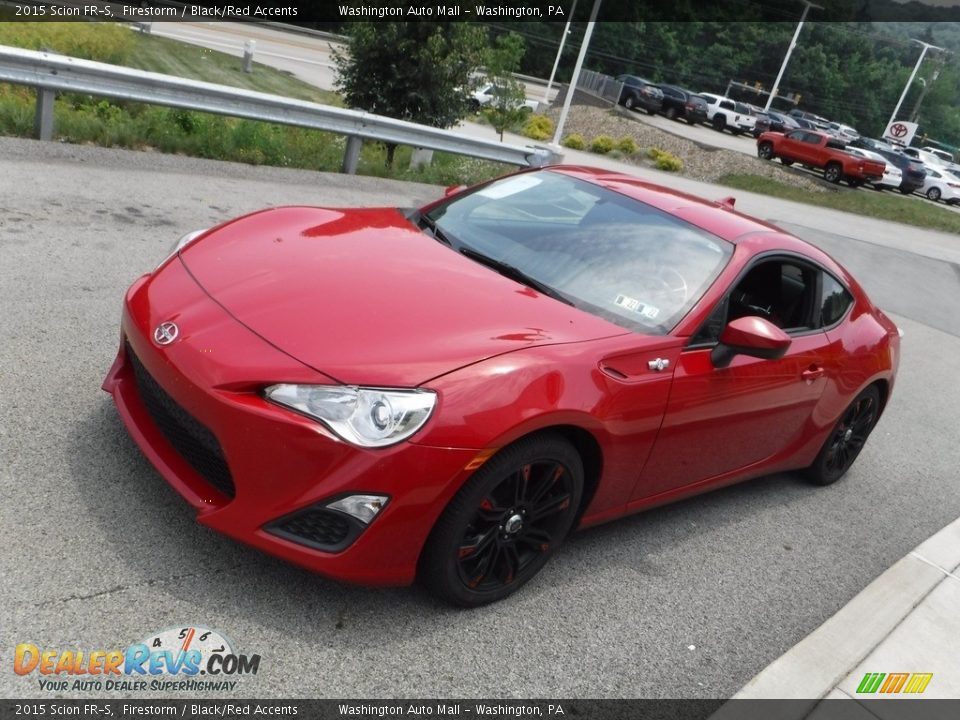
(722, 113)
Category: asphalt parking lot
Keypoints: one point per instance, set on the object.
(685, 601)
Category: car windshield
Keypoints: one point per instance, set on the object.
(603, 252)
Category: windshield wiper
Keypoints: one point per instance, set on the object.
(439, 234)
(514, 273)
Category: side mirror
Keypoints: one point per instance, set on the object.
(453, 190)
(751, 336)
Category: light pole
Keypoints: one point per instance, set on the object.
(786, 58)
(572, 88)
(906, 88)
(563, 39)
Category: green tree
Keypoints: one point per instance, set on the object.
(502, 60)
(416, 71)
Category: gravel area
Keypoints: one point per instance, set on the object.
(700, 162)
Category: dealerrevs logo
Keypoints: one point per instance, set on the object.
(185, 658)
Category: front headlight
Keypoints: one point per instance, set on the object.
(182, 243)
(368, 417)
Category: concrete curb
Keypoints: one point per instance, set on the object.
(812, 668)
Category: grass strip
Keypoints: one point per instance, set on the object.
(885, 205)
(87, 119)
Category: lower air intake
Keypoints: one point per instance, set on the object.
(318, 527)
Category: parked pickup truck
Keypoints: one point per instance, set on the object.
(726, 114)
(819, 150)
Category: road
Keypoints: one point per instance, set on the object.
(685, 601)
(306, 57)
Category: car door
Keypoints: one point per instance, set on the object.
(723, 420)
(798, 146)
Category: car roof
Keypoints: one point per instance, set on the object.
(712, 216)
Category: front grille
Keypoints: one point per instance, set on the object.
(190, 438)
(318, 527)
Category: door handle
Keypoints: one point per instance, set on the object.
(812, 373)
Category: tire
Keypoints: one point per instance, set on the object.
(833, 173)
(505, 523)
(651, 112)
(629, 102)
(933, 194)
(786, 162)
(671, 113)
(765, 151)
(846, 439)
(719, 122)
(906, 191)
(854, 182)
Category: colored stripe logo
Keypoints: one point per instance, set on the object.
(890, 683)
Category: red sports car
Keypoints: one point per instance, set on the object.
(444, 393)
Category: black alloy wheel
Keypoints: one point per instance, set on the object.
(833, 173)
(765, 151)
(719, 122)
(505, 522)
(847, 438)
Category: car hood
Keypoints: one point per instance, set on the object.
(365, 297)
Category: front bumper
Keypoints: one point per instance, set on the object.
(278, 462)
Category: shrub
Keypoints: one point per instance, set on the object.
(665, 160)
(538, 127)
(601, 144)
(627, 146)
(574, 142)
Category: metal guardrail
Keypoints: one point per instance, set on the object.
(51, 73)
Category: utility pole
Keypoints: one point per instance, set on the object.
(576, 73)
(786, 59)
(903, 95)
(563, 39)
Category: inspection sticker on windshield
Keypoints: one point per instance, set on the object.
(634, 305)
(506, 188)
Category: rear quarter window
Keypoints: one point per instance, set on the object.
(835, 301)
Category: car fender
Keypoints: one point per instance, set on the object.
(491, 404)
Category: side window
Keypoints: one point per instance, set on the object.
(835, 301)
(796, 135)
(780, 291)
